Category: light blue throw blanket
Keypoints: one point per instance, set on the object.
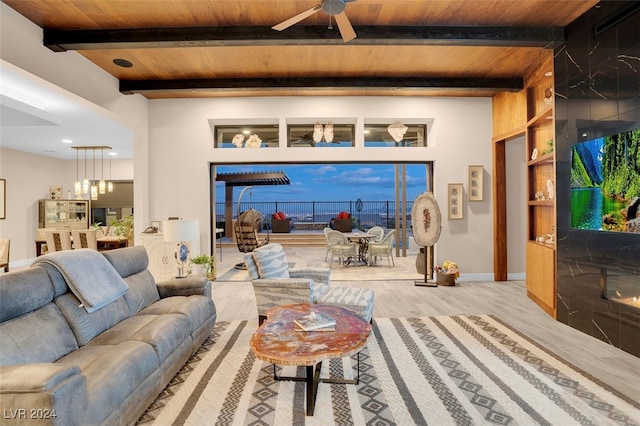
(89, 275)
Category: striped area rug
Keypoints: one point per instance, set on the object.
(449, 370)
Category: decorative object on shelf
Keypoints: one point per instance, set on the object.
(426, 224)
(534, 154)
(254, 141)
(540, 196)
(328, 132)
(3, 198)
(549, 149)
(550, 189)
(455, 201)
(56, 192)
(182, 231)
(237, 140)
(476, 183)
(548, 96)
(318, 132)
(397, 130)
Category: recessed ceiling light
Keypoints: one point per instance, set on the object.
(67, 141)
(122, 63)
(113, 153)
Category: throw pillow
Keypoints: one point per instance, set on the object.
(271, 261)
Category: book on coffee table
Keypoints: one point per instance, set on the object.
(315, 321)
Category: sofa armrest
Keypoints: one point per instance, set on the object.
(188, 286)
(318, 275)
(45, 393)
(272, 292)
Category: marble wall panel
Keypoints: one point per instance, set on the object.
(597, 81)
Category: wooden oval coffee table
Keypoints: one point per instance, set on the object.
(277, 341)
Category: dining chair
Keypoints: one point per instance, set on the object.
(383, 248)
(58, 240)
(377, 232)
(4, 253)
(84, 238)
(341, 247)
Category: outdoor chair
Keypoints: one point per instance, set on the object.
(85, 238)
(340, 247)
(5, 245)
(383, 248)
(246, 233)
(377, 232)
(275, 283)
(58, 240)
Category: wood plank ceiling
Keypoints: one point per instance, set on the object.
(208, 48)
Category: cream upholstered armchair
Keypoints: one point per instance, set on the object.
(384, 248)
(275, 284)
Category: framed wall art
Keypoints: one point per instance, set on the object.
(56, 192)
(475, 183)
(3, 198)
(456, 207)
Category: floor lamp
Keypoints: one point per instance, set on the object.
(181, 231)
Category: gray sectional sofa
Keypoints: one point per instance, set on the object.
(61, 364)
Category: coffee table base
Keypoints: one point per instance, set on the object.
(312, 379)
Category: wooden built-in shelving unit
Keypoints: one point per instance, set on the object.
(528, 113)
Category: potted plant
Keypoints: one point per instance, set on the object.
(123, 227)
(202, 265)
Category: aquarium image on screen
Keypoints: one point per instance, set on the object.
(605, 183)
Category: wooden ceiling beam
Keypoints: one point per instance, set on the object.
(135, 38)
(321, 83)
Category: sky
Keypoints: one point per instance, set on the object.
(329, 182)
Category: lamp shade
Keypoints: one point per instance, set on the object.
(181, 230)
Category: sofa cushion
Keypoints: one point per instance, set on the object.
(271, 261)
(42, 335)
(113, 373)
(196, 308)
(86, 325)
(164, 333)
(28, 290)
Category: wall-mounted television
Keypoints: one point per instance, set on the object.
(605, 183)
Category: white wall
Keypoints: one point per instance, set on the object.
(460, 136)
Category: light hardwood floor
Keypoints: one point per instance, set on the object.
(506, 300)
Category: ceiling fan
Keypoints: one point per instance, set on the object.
(331, 8)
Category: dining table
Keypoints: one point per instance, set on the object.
(362, 239)
(104, 243)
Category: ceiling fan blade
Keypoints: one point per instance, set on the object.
(346, 30)
(299, 17)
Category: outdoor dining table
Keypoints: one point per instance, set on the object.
(362, 239)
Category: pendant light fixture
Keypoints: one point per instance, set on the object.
(102, 187)
(78, 185)
(94, 187)
(85, 181)
(110, 184)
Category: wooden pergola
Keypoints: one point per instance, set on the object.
(245, 179)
